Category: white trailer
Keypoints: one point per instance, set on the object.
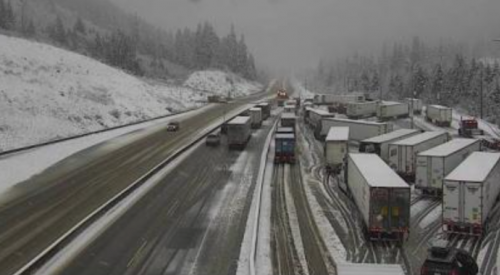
(358, 129)
(288, 120)
(256, 115)
(380, 144)
(239, 132)
(356, 110)
(434, 164)
(382, 197)
(336, 148)
(369, 269)
(403, 153)
(439, 115)
(327, 99)
(470, 191)
(390, 110)
(314, 116)
(415, 105)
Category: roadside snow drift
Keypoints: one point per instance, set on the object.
(217, 82)
(48, 93)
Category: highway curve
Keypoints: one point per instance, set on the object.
(48, 205)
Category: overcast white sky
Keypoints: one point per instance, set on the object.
(297, 33)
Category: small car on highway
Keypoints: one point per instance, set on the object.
(173, 126)
(213, 139)
(443, 260)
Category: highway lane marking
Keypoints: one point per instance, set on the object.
(137, 254)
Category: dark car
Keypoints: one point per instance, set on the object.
(442, 260)
(213, 139)
(173, 126)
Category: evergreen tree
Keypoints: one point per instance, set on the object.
(80, 26)
(241, 56)
(57, 31)
(375, 83)
(437, 83)
(30, 29)
(365, 82)
(3, 21)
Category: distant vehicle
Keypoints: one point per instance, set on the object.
(416, 104)
(327, 99)
(256, 115)
(357, 110)
(284, 148)
(285, 130)
(439, 115)
(387, 110)
(491, 143)
(239, 132)
(266, 110)
(403, 153)
(288, 120)
(173, 126)
(336, 149)
(213, 139)
(470, 192)
(469, 128)
(382, 197)
(436, 163)
(443, 260)
(281, 97)
(380, 144)
(358, 129)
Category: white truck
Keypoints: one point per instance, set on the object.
(239, 132)
(357, 110)
(387, 110)
(327, 99)
(435, 164)
(380, 144)
(256, 115)
(358, 129)
(369, 269)
(336, 148)
(439, 115)
(469, 193)
(382, 197)
(403, 153)
(415, 105)
(314, 116)
(288, 120)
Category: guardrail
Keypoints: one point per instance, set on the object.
(260, 182)
(52, 249)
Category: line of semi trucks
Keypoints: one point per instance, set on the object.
(388, 161)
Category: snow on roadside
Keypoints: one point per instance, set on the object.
(220, 83)
(22, 166)
(294, 224)
(48, 93)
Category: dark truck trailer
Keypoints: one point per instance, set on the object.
(382, 197)
(284, 148)
(288, 120)
(266, 110)
(239, 132)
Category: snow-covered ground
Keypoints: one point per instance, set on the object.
(48, 93)
(220, 83)
(22, 166)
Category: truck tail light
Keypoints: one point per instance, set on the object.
(424, 270)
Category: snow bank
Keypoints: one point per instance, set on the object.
(47, 93)
(220, 83)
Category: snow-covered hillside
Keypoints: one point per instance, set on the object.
(221, 83)
(47, 93)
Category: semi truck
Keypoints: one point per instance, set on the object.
(284, 148)
(415, 105)
(328, 99)
(358, 129)
(357, 110)
(469, 193)
(380, 144)
(239, 132)
(382, 197)
(436, 163)
(387, 110)
(256, 116)
(288, 120)
(439, 115)
(403, 153)
(313, 116)
(336, 149)
(266, 110)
